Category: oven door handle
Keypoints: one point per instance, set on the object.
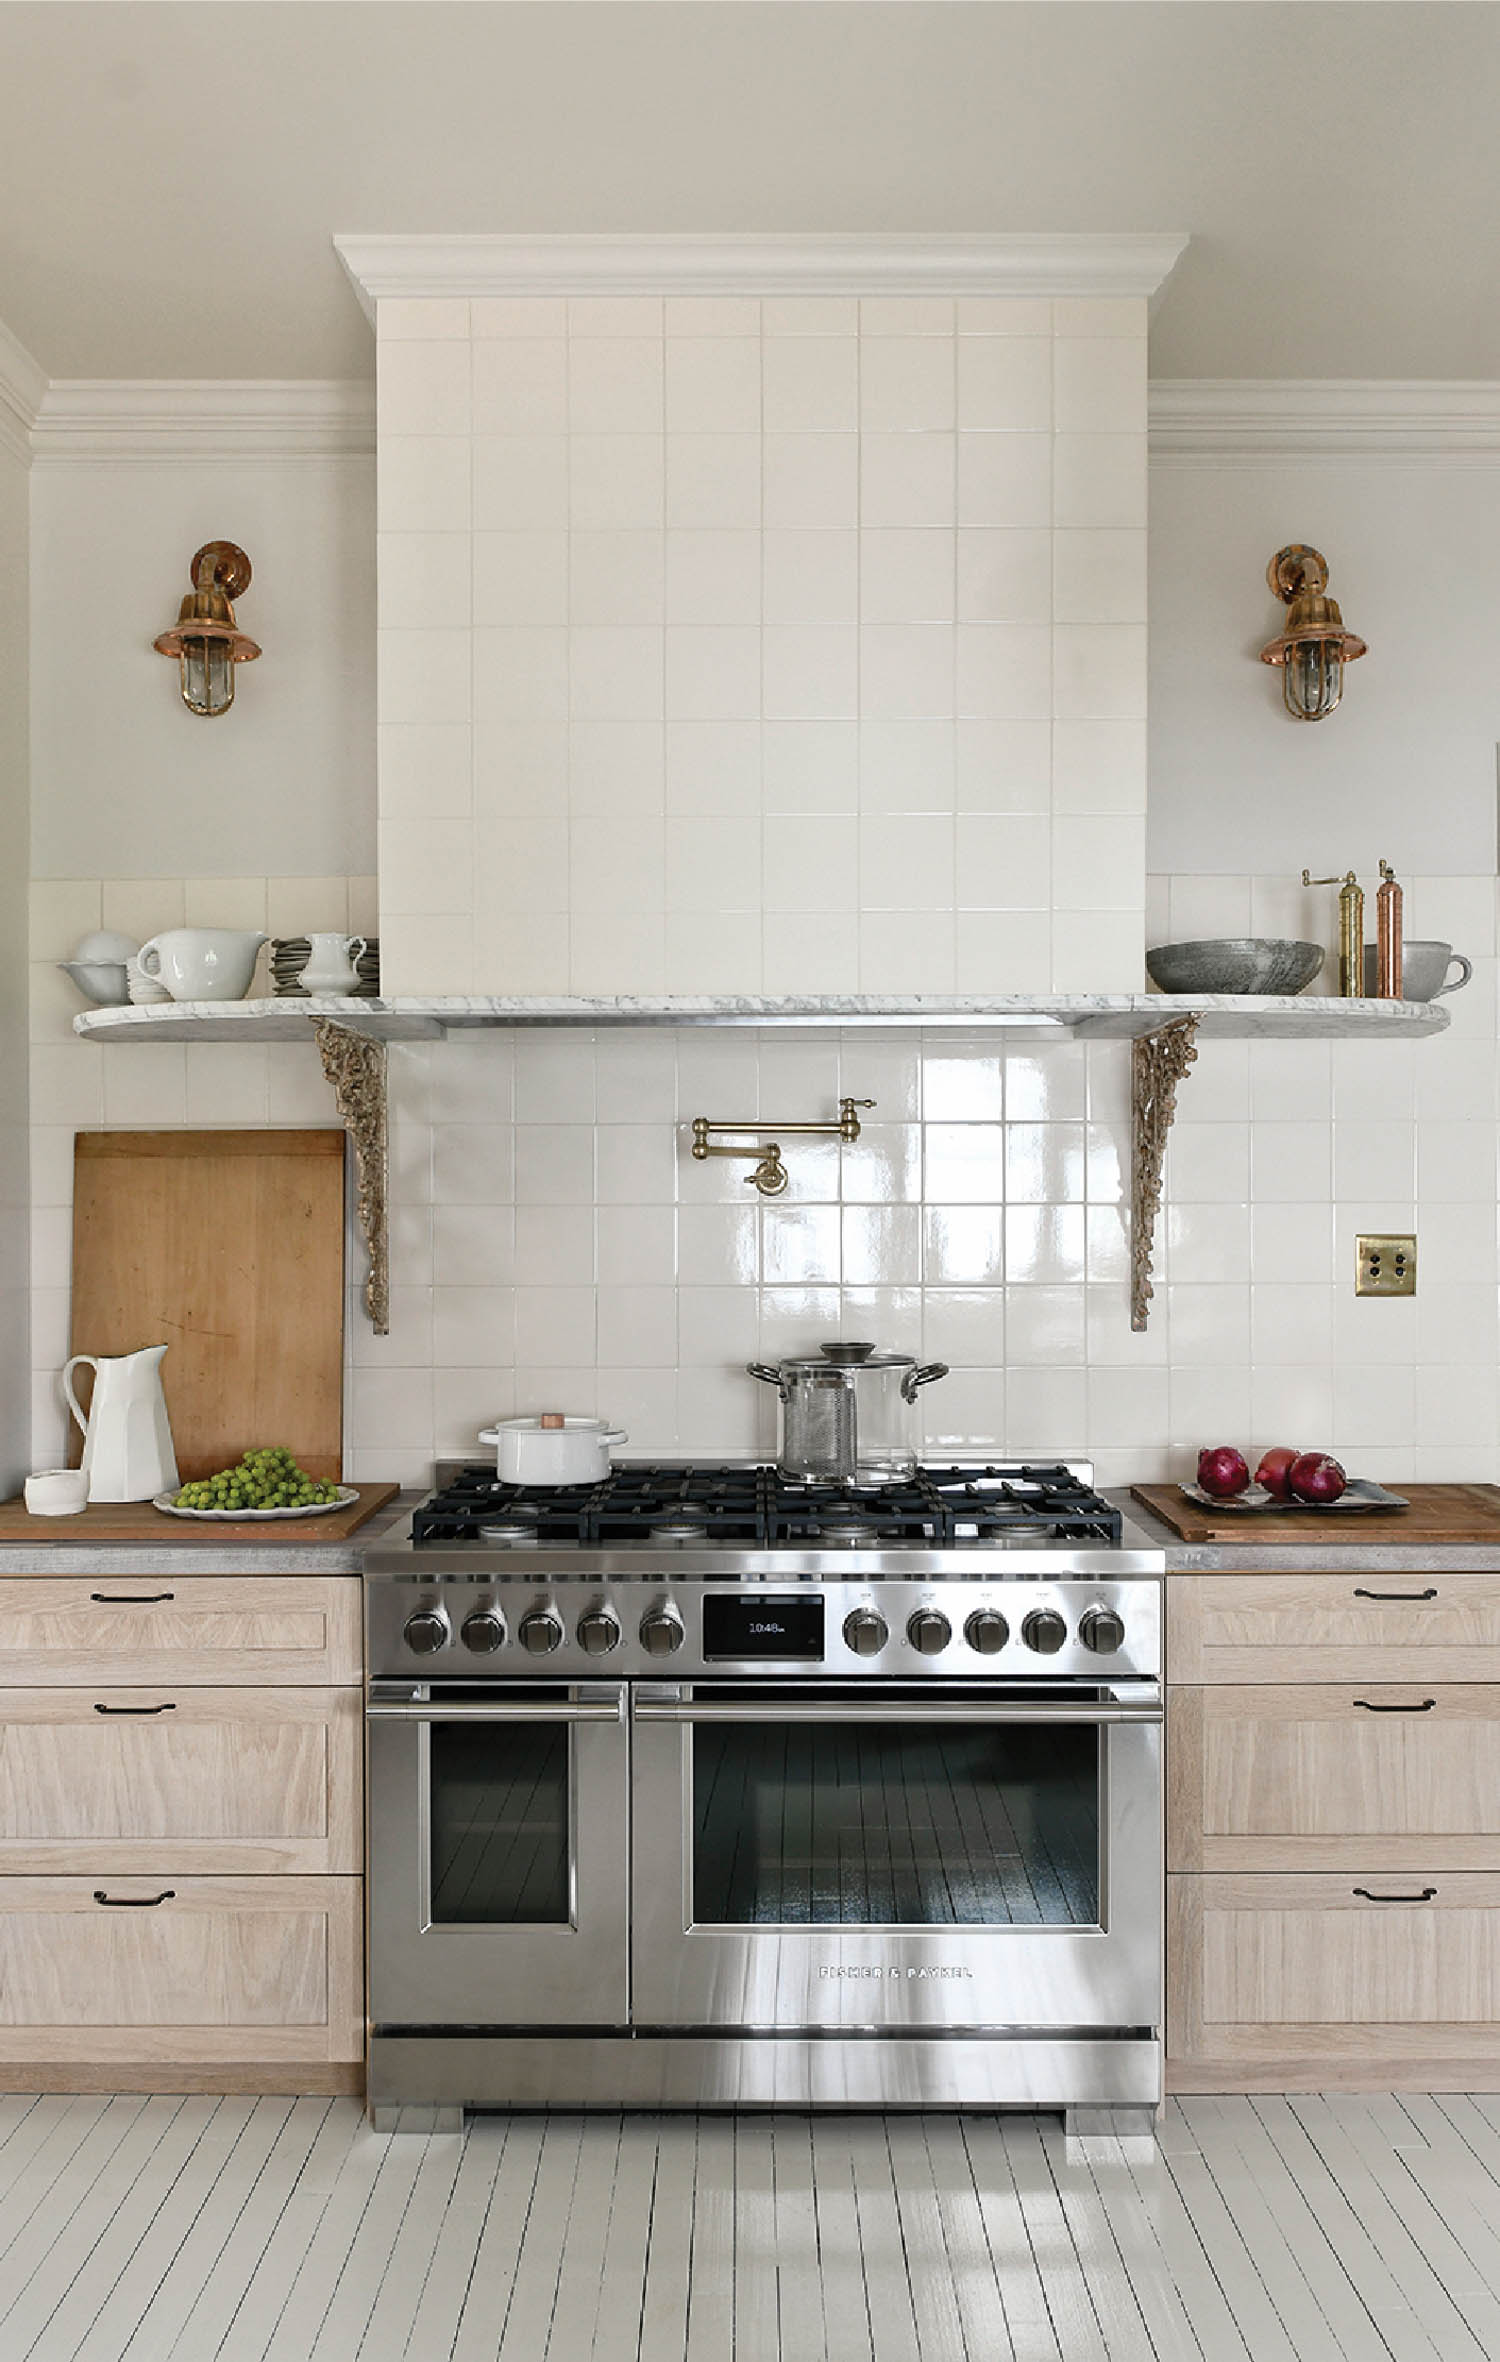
(745, 1710)
(478, 1710)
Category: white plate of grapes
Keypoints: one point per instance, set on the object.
(263, 1484)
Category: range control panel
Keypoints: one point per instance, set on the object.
(473, 1631)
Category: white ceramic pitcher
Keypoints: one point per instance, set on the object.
(330, 963)
(127, 1437)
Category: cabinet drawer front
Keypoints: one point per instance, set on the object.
(247, 1780)
(1341, 1970)
(1315, 1778)
(1347, 1627)
(269, 1629)
(219, 1969)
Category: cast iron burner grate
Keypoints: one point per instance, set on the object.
(740, 1505)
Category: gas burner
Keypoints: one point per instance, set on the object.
(517, 1522)
(681, 1525)
(851, 1532)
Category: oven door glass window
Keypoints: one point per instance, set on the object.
(896, 1824)
(499, 1816)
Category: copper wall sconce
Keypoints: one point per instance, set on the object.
(1314, 648)
(205, 638)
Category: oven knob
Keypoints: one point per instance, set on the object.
(541, 1634)
(1045, 1631)
(1102, 1631)
(483, 1632)
(598, 1633)
(661, 1632)
(865, 1632)
(987, 1631)
(928, 1632)
(426, 1631)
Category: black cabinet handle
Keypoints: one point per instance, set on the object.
(1361, 1593)
(131, 1598)
(1425, 1896)
(169, 1708)
(134, 1902)
(1372, 1706)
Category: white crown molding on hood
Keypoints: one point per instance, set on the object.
(1042, 264)
(1250, 422)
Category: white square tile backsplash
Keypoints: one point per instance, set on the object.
(553, 1241)
(769, 526)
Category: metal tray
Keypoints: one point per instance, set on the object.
(1361, 1492)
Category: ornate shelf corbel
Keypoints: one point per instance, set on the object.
(355, 1066)
(1158, 1062)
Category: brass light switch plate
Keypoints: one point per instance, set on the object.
(1386, 1266)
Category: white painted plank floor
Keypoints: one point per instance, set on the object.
(1307, 2228)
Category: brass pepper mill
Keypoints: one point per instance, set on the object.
(1351, 930)
(1388, 936)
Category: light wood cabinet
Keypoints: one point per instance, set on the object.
(241, 1781)
(181, 1762)
(191, 1970)
(270, 1630)
(1333, 1831)
(1345, 1627)
(1358, 1980)
(1275, 1778)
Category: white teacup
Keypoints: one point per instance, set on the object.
(202, 963)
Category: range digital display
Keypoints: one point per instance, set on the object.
(783, 1629)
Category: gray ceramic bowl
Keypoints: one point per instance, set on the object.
(1239, 963)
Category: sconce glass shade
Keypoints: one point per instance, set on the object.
(1314, 649)
(205, 639)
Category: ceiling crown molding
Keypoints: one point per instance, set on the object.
(210, 420)
(1125, 264)
(22, 386)
(1225, 421)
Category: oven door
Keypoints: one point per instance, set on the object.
(885, 1859)
(498, 1834)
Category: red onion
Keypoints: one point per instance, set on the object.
(1274, 1468)
(1223, 1471)
(1316, 1477)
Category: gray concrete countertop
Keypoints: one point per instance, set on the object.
(64, 1557)
(1374, 1547)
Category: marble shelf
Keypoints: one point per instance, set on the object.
(1085, 1016)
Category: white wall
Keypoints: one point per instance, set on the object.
(14, 832)
(743, 646)
(283, 785)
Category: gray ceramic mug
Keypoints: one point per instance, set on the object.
(1424, 970)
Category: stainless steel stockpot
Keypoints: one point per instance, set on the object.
(847, 1412)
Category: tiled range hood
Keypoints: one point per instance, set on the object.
(761, 616)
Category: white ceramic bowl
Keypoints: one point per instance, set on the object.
(202, 963)
(107, 944)
(101, 981)
(526, 1452)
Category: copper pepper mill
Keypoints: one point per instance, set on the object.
(1388, 936)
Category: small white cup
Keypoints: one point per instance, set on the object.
(57, 1492)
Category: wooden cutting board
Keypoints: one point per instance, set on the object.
(228, 1247)
(1438, 1513)
(137, 1521)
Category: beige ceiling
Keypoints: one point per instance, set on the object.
(170, 175)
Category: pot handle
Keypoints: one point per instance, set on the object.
(767, 1376)
(615, 1435)
(929, 1371)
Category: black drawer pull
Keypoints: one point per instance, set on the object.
(134, 1902)
(1361, 1593)
(131, 1598)
(1425, 1896)
(1371, 1706)
(169, 1708)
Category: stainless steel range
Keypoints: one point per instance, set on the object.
(704, 1788)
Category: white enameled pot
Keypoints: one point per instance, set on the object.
(576, 1452)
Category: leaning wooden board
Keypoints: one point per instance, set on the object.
(1437, 1513)
(138, 1522)
(228, 1247)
